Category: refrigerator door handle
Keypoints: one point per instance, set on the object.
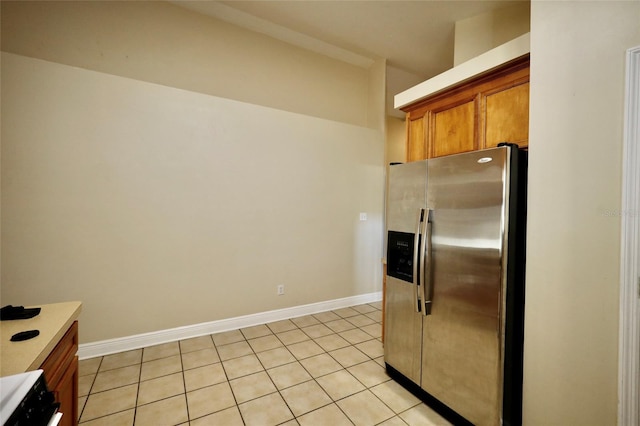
(417, 305)
(425, 265)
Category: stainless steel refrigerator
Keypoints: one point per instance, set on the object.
(454, 301)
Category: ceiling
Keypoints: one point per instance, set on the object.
(415, 37)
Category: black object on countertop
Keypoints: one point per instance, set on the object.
(17, 312)
(24, 335)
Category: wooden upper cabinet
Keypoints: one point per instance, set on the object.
(476, 114)
(453, 130)
(416, 142)
(507, 116)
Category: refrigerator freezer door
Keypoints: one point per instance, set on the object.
(403, 330)
(406, 194)
(462, 336)
(406, 198)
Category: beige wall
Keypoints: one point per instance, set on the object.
(476, 35)
(160, 207)
(396, 141)
(577, 98)
(135, 197)
(376, 101)
(162, 43)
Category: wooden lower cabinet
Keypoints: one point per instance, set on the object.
(61, 373)
(66, 393)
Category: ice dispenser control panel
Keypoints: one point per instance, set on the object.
(400, 255)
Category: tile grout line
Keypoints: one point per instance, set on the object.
(297, 360)
(343, 368)
(135, 405)
(226, 375)
(307, 371)
(90, 388)
(184, 382)
(314, 379)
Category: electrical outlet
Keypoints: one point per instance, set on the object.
(363, 216)
(280, 289)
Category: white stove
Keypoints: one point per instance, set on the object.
(25, 400)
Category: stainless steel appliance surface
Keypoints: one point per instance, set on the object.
(455, 281)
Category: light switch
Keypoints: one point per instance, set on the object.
(363, 216)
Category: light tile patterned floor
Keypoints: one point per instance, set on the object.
(321, 369)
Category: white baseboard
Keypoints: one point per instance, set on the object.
(106, 347)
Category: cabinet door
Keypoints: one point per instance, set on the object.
(61, 373)
(454, 130)
(416, 144)
(507, 116)
(66, 393)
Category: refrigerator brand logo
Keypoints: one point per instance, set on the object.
(485, 160)
(620, 213)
